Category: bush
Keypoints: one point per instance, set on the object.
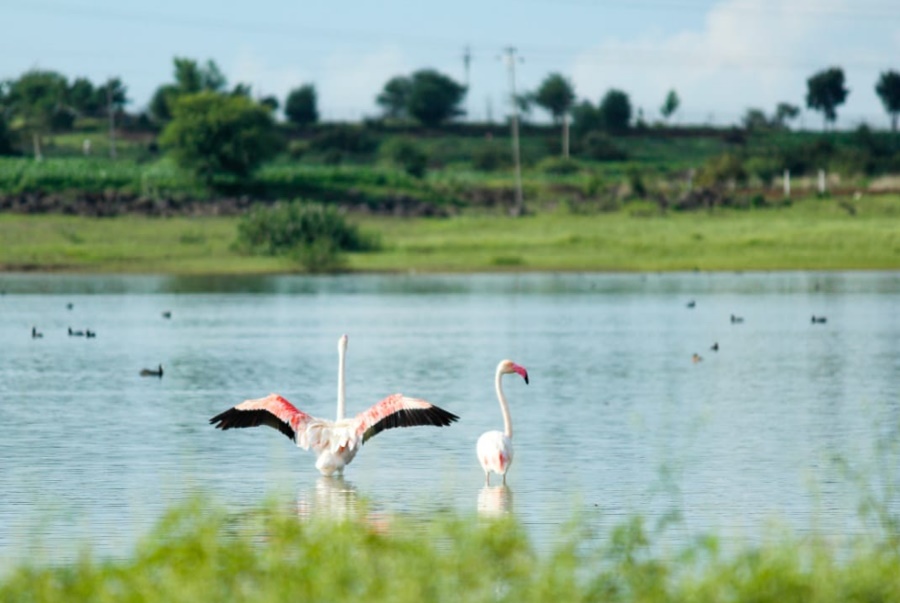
(346, 139)
(764, 168)
(559, 166)
(311, 233)
(599, 146)
(722, 169)
(405, 154)
(490, 157)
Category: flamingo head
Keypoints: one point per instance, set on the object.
(508, 366)
(342, 344)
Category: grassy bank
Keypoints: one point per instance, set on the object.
(199, 553)
(811, 234)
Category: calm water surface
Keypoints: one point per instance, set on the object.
(617, 419)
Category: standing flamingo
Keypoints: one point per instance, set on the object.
(494, 448)
(335, 443)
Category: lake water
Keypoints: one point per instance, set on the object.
(617, 420)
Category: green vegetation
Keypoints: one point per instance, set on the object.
(815, 234)
(215, 135)
(313, 234)
(201, 553)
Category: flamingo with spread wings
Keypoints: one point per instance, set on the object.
(335, 443)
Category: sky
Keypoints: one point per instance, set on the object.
(721, 57)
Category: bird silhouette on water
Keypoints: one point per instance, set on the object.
(736, 319)
(75, 333)
(35, 334)
(152, 372)
(819, 320)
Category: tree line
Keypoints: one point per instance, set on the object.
(214, 128)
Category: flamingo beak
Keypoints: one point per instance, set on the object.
(521, 370)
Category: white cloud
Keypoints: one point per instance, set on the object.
(744, 55)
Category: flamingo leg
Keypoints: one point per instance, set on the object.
(504, 479)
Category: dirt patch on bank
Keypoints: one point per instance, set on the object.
(116, 203)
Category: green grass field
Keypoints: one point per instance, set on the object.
(814, 234)
(200, 553)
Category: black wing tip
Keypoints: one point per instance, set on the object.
(235, 418)
(433, 415)
(445, 417)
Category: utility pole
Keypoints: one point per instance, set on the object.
(467, 60)
(112, 119)
(510, 57)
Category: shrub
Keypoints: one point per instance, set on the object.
(407, 155)
(722, 169)
(559, 166)
(312, 234)
(764, 168)
(344, 139)
(599, 146)
(490, 157)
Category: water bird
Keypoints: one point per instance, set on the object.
(158, 372)
(88, 333)
(334, 443)
(75, 333)
(736, 319)
(69, 306)
(691, 304)
(167, 314)
(494, 448)
(696, 358)
(35, 334)
(819, 320)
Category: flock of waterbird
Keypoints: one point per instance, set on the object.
(736, 320)
(336, 443)
(89, 334)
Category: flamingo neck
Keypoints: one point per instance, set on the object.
(341, 397)
(504, 407)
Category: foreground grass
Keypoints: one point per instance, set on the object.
(814, 234)
(198, 553)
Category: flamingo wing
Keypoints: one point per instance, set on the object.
(398, 410)
(273, 410)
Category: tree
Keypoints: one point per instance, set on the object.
(785, 112)
(670, 105)
(35, 98)
(434, 97)
(888, 90)
(6, 137)
(214, 134)
(585, 118)
(300, 106)
(271, 102)
(394, 97)
(755, 119)
(83, 97)
(557, 96)
(615, 112)
(825, 92)
(190, 78)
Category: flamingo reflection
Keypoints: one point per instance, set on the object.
(333, 497)
(336, 499)
(495, 501)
